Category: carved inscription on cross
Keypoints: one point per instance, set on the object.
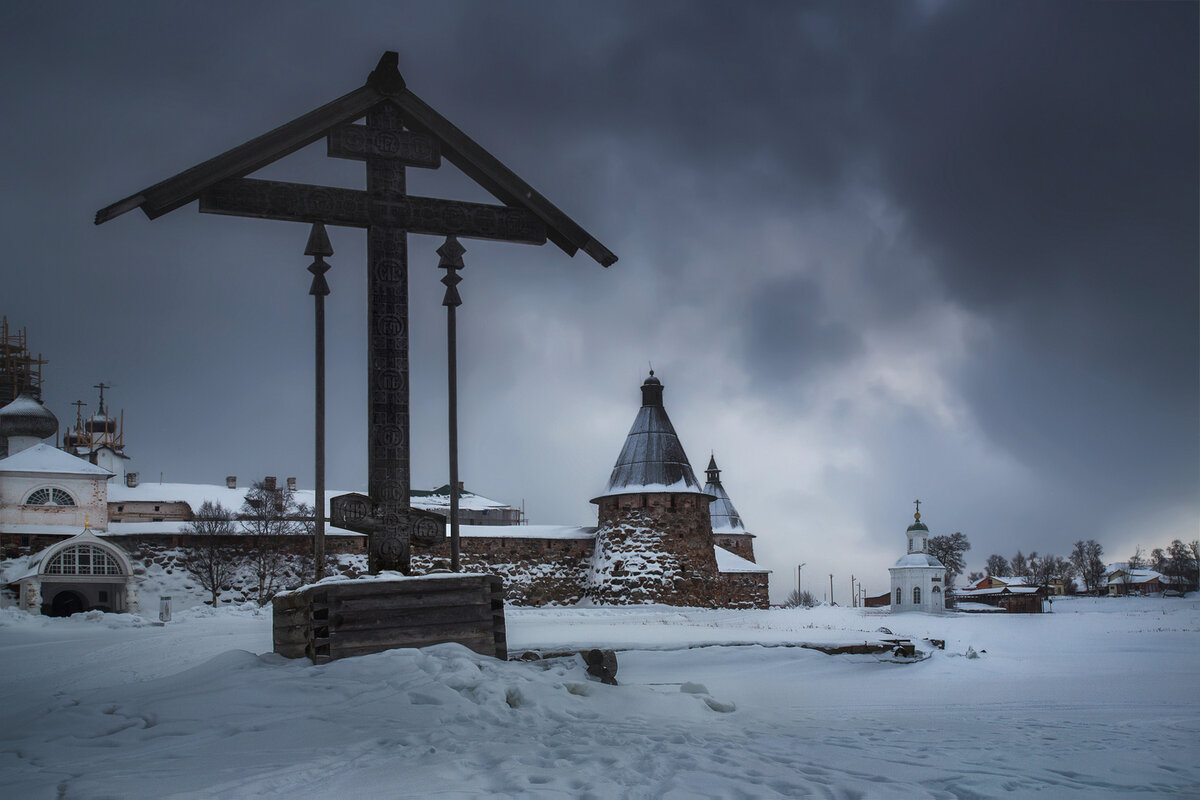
(389, 214)
(357, 512)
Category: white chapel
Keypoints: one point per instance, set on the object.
(917, 577)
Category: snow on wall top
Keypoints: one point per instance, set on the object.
(731, 562)
(195, 494)
(47, 459)
(524, 531)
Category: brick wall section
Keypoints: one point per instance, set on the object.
(740, 544)
(536, 572)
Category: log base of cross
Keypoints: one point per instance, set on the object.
(333, 620)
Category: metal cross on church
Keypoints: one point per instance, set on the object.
(401, 131)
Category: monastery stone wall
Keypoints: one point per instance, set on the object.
(740, 544)
(536, 572)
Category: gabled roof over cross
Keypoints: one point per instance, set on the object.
(384, 85)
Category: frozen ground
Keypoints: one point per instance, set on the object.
(1098, 699)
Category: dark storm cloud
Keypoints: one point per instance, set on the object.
(1045, 154)
(791, 334)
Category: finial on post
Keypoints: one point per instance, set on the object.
(318, 246)
(451, 253)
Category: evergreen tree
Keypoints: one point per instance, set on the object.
(949, 550)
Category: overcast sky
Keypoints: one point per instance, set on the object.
(875, 251)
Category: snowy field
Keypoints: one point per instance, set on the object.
(1097, 699)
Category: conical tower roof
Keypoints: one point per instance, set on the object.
(725, 518)
(652, 459)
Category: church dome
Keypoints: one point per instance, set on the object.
(918, 526)
(26, 416)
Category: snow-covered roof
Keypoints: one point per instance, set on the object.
(652, 459)
(917, 560)
(195, 494)
(731, 562)
(996, 591)
(1134, 576)
(46, 459)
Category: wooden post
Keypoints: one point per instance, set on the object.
(319, 247)
(451, 260)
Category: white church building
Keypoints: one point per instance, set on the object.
(917, 577)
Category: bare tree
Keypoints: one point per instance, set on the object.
(1019, 566)
(1049, 569)
(1138, 559)
(799, 599)
(949, 550)
(209, 557)
(998, 566)
(269, 518)
(1086, 558)
(975, 577)
(1181, 566)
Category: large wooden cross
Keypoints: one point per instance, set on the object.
(401, 131)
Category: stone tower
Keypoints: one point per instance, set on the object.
(655, 541)
(728, 530)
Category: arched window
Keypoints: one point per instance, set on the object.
(83, 559)
(916, 595)
(49, 496)
(899, 597)
(937, 590)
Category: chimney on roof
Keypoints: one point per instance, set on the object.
(291, 484)
(131, 480)
(231, 481)
(269, 483)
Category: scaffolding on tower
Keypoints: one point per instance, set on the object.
(19, 370)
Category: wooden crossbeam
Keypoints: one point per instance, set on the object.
(294, 202)
(358, 142)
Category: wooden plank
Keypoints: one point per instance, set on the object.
(290, 202)
(349, 589)
(479, 644)
(291, 650)
(296, 202)
(410, 636)
(358, 605)
(359, 142)
(409, 618)
(290, 616)
(504, 184)
(255, 154)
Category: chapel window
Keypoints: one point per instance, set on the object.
(916, 595)
(937, 590)
(49, 496)
(83, 559)
(899, 597)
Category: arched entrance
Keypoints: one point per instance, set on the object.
(66, 603)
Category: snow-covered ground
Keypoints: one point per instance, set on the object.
(1098, 698)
